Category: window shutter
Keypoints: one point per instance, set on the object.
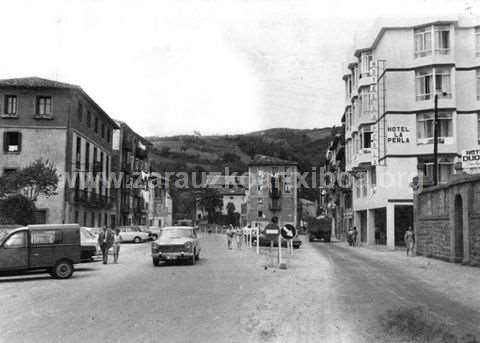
(19, 142)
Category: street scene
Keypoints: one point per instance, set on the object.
(240, 171)
(328, 293)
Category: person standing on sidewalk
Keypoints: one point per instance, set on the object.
(409, 240)
(239, 237)
(229, 233)
(117, 240)
(105, 240)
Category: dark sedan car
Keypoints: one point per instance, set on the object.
(264, 242)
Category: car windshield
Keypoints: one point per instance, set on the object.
(177, 233)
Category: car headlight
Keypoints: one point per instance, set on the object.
(188, 245)
(155, 246)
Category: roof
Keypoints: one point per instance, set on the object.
(142, 139)
(38, 83)
(262, 160)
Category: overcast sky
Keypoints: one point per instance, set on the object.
(215, 66)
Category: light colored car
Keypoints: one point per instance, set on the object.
(89, 243)
(133, 234)
(176, 243)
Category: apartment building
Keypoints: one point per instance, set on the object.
(336, 200)
(160, 206)
(272, 191)
(60, 123)
(130, 151)
(389, 117)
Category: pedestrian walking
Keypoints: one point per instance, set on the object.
(409, 240)
(105, 240)
(117, 240)
(239, 237)
(229, 233)
(355, 236)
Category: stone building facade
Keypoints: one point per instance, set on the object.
(447, 220)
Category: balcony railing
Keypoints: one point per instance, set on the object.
(90, 199)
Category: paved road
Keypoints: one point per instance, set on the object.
(328, 294)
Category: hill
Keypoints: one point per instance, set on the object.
(214, 153)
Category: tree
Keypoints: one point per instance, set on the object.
(39, 178)
(17, 209)
(211, 201)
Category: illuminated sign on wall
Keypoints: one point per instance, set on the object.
(398, 134)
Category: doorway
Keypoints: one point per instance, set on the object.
(458, 229)
(403, 220)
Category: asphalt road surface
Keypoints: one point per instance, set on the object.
(329, 293)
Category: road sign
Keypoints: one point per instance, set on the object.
(288, 231)
(272, 231)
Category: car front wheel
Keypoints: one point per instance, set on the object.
(155, 261)
(154, 237)
(62, 270)
(137, 240)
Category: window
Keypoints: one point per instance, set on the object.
(366, 137)
(373, 177)
(87, 156)
(478, 84)
(477, 40)
(46, 237)
(96, 125)
(103, 130)
(445, 169)
(423, 41)
(17, 240)
(260, 201)
(442, 82)
(108, 135)
(80, 112)
(367, 65)
(442, 40)
(44, 105)
(89, 119)
(425, 125)
(423, 84)
(260, 214)
(78, 153)
(12, 142)
(85, 218)
(10, 104)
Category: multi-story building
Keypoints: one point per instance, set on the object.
(272, 191)
(389, 117)
(131, 162)
(60, 123)
(160, 201)
(337, 198)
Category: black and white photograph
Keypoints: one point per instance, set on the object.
(240, 171)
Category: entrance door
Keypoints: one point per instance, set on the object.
(403, 220)
(14, 252)
(458, 229)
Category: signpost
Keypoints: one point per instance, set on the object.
(272, 232)
(289, 232)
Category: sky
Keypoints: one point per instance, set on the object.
(213, 66)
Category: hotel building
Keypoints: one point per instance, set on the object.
(389, 117)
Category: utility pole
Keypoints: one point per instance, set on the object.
(435, 141)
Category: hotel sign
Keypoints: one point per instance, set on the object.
(471, 159)
(398, 134)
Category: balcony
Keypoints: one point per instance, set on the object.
(90, 199)
(141, 153)
(127, 144)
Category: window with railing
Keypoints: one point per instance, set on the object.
(432, 39)
(428, 81)
(426, 126)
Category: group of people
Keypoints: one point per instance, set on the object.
(107, 239)
(234, 233)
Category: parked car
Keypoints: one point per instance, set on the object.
(176, 243)
(147, 230)
(89, 244)
(133, 234)
(156, 231)
(264, 242)
(55, 248)
(319, 228)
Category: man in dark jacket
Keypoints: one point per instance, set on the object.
(105, 240)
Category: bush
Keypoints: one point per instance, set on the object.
(17, 209)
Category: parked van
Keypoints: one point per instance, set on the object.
(55, 248)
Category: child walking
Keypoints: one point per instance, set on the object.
(117, 239)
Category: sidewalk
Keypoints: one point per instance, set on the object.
(456, 280)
